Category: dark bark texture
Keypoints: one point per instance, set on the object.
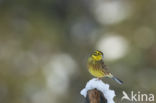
(95, 96)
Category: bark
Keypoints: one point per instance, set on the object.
(95, 96)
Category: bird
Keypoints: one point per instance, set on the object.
(97, 68)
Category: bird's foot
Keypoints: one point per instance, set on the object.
(98, 78)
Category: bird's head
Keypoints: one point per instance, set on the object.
(97, 55)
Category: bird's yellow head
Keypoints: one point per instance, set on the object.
(97, 55)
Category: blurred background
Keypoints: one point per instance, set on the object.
(44, 46)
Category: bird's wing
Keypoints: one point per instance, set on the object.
(104, 67)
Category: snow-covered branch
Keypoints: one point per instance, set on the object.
(103, 88)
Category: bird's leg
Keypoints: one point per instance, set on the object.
(99, 78)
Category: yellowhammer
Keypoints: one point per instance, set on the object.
(97, 68)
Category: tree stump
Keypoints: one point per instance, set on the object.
(95, 96)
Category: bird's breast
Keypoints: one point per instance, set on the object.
(96, 70)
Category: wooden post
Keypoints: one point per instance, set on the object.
(95, 96)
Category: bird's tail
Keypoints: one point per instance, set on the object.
(115, 79)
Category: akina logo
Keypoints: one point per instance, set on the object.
(137, 97)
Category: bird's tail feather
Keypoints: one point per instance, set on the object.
(115, 79)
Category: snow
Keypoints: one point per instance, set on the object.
(101, 86)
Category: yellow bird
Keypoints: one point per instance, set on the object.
(97, 68)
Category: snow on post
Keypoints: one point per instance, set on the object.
(103, 88)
